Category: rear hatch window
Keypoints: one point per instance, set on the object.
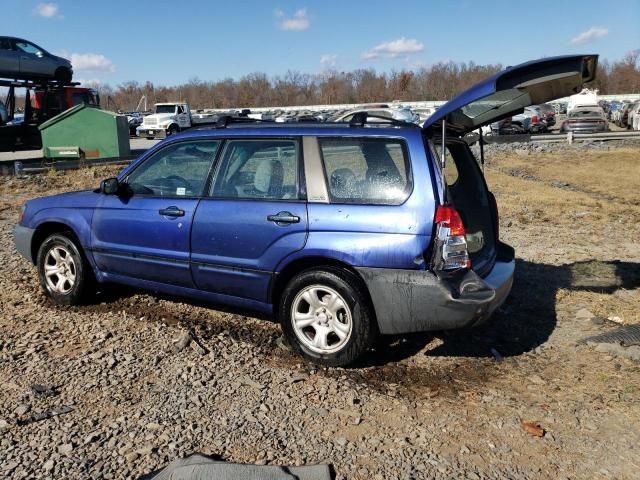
(469, 195)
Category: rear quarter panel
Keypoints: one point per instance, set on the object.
(385, 236)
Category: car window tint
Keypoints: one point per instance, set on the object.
(366, 170)
(260, 169)
(178, 170)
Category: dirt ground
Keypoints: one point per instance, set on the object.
(444, 405)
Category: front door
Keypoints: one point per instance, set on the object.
(143, 233)
(254, 217)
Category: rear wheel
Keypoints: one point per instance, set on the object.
(64, 273)
(325, 316)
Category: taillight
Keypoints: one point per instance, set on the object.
(534, 119)
(450, 252)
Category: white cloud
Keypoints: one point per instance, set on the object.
(394, 48)
(298, 22)
(47, 10)
(594, 33)
(91, 62)
(328, 60)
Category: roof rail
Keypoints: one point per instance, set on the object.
(224, 121)
(359, 119)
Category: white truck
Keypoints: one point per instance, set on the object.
(167, 119)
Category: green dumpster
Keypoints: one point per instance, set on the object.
(85, 132)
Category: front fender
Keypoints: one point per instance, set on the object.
(78, 220)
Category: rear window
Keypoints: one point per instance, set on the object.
(367, 170)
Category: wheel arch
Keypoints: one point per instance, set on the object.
(298, 265)
(44, 230)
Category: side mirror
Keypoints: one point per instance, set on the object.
(109, 186)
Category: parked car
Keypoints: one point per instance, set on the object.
(623, 116)
(379, 115)
(633, 116)
(341, 231)
(22, 59)
(585, 120)
(135, 120)
(549, 114)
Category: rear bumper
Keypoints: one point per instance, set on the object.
(22, 237)
(417, 300)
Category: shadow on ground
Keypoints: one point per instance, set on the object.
(527, 318)
(524, 322)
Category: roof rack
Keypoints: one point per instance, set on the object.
(359, 119)
(224, 121)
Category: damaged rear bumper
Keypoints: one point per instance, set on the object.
(417, 300)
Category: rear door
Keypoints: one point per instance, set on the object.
(144, 232)
(254, 216)
(507, 92)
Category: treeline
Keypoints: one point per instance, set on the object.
(438, 82)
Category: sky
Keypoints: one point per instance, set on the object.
(171, 42)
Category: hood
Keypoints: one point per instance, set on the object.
(508, 92)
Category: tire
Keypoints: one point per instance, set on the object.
(73, 280)
(63, 75)
(173, 129)
(335, 324)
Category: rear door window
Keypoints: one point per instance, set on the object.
(366, 170)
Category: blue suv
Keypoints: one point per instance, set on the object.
(342, 231)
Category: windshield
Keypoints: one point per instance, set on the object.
(165, 108)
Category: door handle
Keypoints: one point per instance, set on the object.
(283, 217)
(171, 212)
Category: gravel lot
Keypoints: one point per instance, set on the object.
(122, 399)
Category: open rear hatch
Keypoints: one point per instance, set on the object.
(462, 184)
(507, 92)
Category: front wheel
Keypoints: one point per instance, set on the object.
(325, 316)
(63, 272)
(173, 129)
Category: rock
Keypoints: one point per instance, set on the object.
(250, 383)
(22, 409)
(584, 314)
(182, 342)
(4, 425)
(48, 465)
(65, 449)
(131, 457)
(298, 377)
(341, 441)
(92, 437)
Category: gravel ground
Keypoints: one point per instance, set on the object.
(120, 387)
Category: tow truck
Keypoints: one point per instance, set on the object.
(43, 99)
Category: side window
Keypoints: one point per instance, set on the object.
(179, 170)
(260, 169)
(28, 47)
(367, 170)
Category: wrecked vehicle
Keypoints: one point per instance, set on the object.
(342, 231)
